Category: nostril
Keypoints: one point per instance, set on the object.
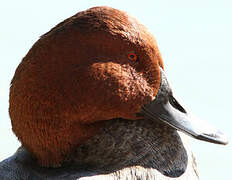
(175, 104)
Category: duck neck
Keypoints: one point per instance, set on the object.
(125, 143)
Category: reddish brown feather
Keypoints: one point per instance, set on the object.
(78, 75)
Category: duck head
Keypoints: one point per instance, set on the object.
(95, 66)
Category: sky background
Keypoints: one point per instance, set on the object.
(195, 39)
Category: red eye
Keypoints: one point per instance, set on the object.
(132, 57)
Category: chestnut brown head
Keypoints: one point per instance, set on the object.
(97, 65)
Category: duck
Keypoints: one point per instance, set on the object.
(91, 100)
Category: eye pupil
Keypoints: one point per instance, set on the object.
(132, 57)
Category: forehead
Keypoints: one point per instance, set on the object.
(102, 30)
(108, 21)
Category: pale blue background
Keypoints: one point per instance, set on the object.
(195, 39)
